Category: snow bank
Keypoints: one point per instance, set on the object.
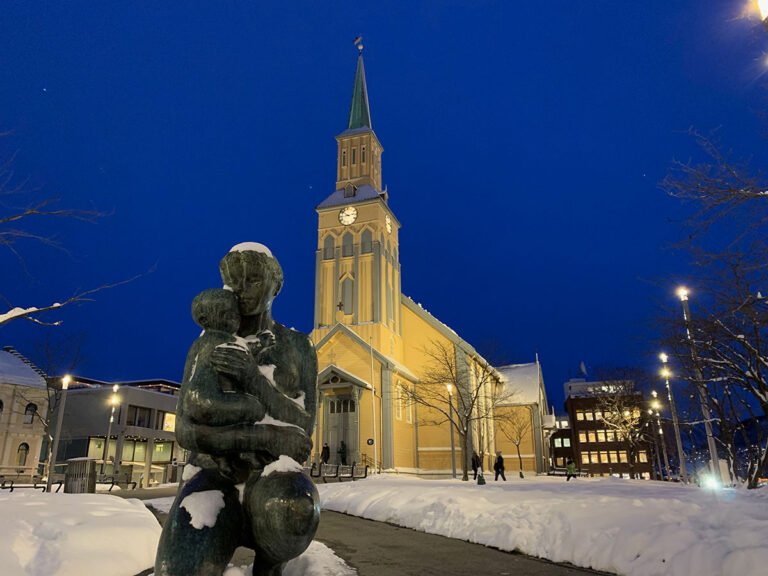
(635, 528)
(317, 560)
(75, 535)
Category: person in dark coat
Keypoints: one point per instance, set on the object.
(498, 467)
(342, 452)
(475, 464)
(325, 453)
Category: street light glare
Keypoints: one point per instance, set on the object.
(65, 381)
(763, 6)
(682, 292)
(663, 356)
(666, 373)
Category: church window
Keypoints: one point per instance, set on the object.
(22, 453)
(346, 245)
(343, 157)
(328, 247)
(347, 289)
(366, 246)
(349, 191)
(362, 155)
(353, 155)
(29, 413)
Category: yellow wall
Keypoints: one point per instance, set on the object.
(508, 448)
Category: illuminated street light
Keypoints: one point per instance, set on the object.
(450, 424)
(65, 382)
(656, 405)
(682, 293)
(666, 373)
(114, 401)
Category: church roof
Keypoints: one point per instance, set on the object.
(523, 382)
(359, 111)
(363, 193)
(15, 370)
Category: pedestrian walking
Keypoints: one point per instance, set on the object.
(475, 464)
(498, 467)
(570, 470)
(342, 452)
(325, 453)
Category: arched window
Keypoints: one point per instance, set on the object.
(328, 247)
(362, 155)
(366, 244)
(29, 414)
(347, 288)
(346, 244)
(353, 155)
(343, 157)
(22, 453)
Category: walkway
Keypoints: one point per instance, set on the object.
(378, 549)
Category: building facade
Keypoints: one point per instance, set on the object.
(23, 413)
(601, 449)
(142, 442)
(375, 345)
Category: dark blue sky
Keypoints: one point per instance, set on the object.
(524, 143)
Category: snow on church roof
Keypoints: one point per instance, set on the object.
(524, 380)
(13, 370)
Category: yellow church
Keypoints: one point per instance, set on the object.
(392, 377)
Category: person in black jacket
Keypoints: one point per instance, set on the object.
(342, 452)
(498, 467)
(325, 453)
(475, 463)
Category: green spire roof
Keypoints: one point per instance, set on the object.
(360, 112)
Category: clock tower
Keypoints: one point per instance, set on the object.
(357, 282)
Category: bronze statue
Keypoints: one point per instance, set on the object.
(246, 412)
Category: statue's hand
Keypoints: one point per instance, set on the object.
(233, 362)
(294, 443)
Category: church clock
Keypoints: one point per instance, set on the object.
(348, 215)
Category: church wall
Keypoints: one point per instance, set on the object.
(507, 447)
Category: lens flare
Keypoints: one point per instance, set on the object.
(763, 7)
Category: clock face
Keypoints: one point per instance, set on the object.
(388, 221)
(348, 215)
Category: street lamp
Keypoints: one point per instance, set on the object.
(114, 401)
(666, 374)
(683, 293)
(656, 405)
(65, 381)
(450, 424)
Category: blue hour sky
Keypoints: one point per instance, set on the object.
(524, 144)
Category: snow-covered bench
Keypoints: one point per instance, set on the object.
(37, 484)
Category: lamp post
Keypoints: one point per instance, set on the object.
(57, 434)
(450, 424)
(114, 400)
(666, 374)
(682, 293)
(656, 405)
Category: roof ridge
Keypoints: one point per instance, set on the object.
(27, 361)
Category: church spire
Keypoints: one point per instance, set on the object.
(359, 111)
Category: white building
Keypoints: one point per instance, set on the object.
(23, 406)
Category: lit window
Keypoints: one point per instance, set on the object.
(566, 442)
(598, 415)
(623, 456)
(585, 457)
(603, 457)
(642, 456)
(579, 415)
(169, 424)
(582, 437)
(601, 436)
(590, 416)
(558, 443)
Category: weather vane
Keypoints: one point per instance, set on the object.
(359, 43)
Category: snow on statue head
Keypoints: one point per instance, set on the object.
(254, 274)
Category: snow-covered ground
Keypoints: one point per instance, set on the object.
(633, 528)
(74, 535)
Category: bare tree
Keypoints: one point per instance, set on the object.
(516, 424)
(462, 390)
(729, 330)
(620, 405)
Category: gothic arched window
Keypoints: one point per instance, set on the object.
(347, 289)
(328, 247)
(366, 245)
(29, 413)
(346, 244)
(22, 453)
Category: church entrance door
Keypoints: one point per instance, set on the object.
(342, 427)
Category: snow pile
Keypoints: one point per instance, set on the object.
(282, 464)
(251, 247)
(317, 560)
(75, 535)
(203, 507)
(634, 528)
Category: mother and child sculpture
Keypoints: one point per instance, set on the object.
(245, 413)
